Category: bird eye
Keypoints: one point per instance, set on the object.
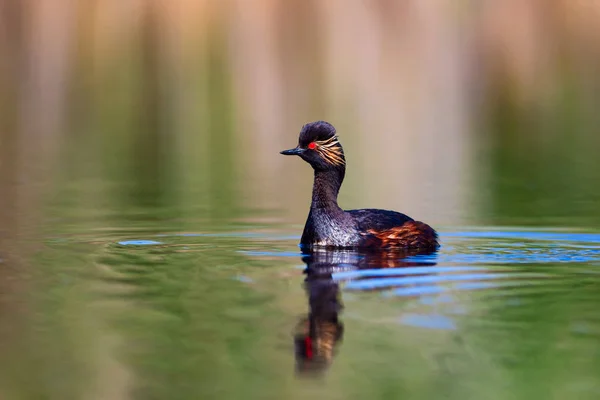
(312, 145)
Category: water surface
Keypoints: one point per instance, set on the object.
(155, 314)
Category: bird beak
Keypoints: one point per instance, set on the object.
(293, 152)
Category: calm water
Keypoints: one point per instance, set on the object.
(154, 314)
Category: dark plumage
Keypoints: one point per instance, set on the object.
(330, 226)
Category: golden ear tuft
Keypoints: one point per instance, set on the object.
(331, 151)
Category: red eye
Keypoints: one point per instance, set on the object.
(312, 145)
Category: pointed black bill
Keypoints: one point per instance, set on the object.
(292, 152)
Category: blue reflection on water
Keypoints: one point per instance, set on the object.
(401, 271)
(138, 243)
(378, 283)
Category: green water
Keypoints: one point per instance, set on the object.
(151, 314)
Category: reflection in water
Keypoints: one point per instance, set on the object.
(319, 333)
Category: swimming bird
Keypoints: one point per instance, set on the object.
(330, 226)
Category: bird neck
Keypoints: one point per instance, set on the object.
(326, 187)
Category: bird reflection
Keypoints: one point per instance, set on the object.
(319, 333)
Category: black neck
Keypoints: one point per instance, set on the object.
(326, 187)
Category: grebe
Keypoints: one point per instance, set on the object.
(330, 226)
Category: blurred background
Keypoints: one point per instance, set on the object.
(170, 115)
(454, 112)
